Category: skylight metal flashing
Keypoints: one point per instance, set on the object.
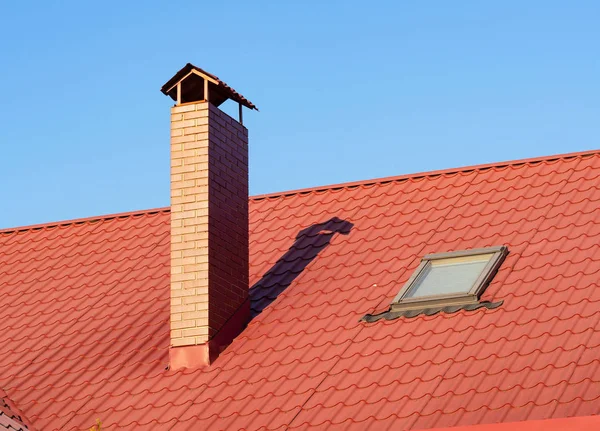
(446, 282)
(450, 279)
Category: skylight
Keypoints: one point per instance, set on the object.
(452, 278)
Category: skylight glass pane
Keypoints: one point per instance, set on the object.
(448, 276)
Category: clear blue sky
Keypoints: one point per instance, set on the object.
(347, 90)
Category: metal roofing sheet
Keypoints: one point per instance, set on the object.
(84, 311)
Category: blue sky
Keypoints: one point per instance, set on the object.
(347, 90)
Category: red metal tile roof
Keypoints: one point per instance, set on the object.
(84, 310)
(10, 417)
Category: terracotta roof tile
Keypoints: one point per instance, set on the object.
(10, 416)
(84, 310)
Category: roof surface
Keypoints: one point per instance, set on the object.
(84, 320)
(10, 417)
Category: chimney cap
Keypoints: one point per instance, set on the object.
(218, 91)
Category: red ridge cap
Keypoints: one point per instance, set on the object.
(84, 220)
(426, 174)
(381, 180)
(575, 423)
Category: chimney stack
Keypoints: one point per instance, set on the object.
(209, 218)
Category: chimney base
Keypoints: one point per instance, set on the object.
(202, 355)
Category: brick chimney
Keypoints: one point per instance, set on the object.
(209, 218)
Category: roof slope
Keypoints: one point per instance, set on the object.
(84, 311)
(10, 417)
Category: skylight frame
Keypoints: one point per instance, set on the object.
(446, 299)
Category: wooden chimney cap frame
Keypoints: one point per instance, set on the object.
(192, 84)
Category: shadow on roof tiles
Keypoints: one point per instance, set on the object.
(307, 246)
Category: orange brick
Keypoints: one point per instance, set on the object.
(196, 299)
(182, 245)
(183, 324)
(196, 175)
(180, 293)
(183, 139)
(182, 308)
(198, 236)
(181, 231)
(182, 277)
(184, 198)
(194, 221)
(182, 123)
(197, 114)
(196, 130)
(195, 157)
(201, 283)
(194, 332)
(184, 107)
(194, 141)
(186, 154)
(201, 340)
(202, 121)
(182, 184)
(182, 169)
(195, 315)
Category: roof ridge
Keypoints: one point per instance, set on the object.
(381, 180)
(434, 173)
(83, 220)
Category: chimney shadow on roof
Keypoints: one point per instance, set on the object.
(309, 243)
